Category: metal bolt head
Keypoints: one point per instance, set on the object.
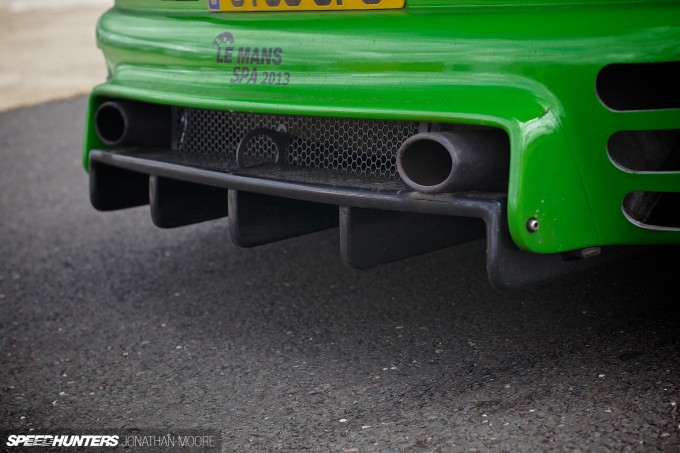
(533, 225)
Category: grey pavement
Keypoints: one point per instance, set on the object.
(48, 50)
(109, 322)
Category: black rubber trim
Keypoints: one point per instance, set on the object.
(256, 219)
(466, 205)
(373, 237)
(507, 266)
(179, 203)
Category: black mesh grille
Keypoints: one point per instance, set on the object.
(364, 148)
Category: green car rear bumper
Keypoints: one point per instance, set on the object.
(531, 71)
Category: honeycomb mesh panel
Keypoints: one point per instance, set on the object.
(363, 148)
(259, 150)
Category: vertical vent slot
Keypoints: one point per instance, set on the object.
(646, 151)
(640, 86)
(653, 210)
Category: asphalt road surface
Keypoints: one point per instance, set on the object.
(108, 322)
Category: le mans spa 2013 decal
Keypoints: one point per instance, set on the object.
(250, 65)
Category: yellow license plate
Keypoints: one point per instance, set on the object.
(302, 5)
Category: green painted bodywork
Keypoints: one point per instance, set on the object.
(526, 67)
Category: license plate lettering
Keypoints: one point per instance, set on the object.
(302, 5)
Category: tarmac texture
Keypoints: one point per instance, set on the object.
(109, 322)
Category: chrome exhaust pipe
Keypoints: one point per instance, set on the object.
(455, 161)
(129, 123)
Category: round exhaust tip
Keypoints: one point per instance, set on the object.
(443, 162)
(425, 162)
(110, 123)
